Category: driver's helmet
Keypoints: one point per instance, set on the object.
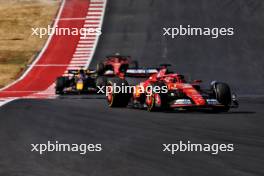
(181, 78)
(81, 72)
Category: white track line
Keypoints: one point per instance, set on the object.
(3, 102)
(97, 5)
(96, 8)
(87, 41)
(50, 65)
(79, 62)
(80, 58)
(92, 20)
(81, 55)
(94, 13)
(76, 65)
(82, 52)
(94, 16)
(48, 93)
(85, 46)
(91, 25)
(70, 19)
(102, 14)
(83, 49)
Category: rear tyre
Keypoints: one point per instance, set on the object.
(157, 101)
(100, 68)
(223, 95)
(117, 99)
(60, 85)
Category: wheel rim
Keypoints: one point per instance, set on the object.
(149, 99)
(150, 102)
(157, 99)
(110, 95)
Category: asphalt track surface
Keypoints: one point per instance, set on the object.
(132, 139)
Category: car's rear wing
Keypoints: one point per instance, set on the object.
(141, 72)
(75, 72)
(117, 56)
(137, 72)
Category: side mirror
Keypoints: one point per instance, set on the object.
(197, 81)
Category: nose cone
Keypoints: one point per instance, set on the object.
(191, 92)
(200, 101)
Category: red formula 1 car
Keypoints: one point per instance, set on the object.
(166, 90)
(116, 65)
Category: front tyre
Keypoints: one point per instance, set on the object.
(157, 101)
(223, 95)
(60, 85)
(100, 68)
(114, 98)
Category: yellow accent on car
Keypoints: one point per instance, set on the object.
(79, 86)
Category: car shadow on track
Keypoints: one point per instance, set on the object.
(208, 112)
(81, 97)
(241, 112)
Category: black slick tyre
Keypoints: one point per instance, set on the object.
(223, 95)
(117, 99)
(60, 85)
(100, 68)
